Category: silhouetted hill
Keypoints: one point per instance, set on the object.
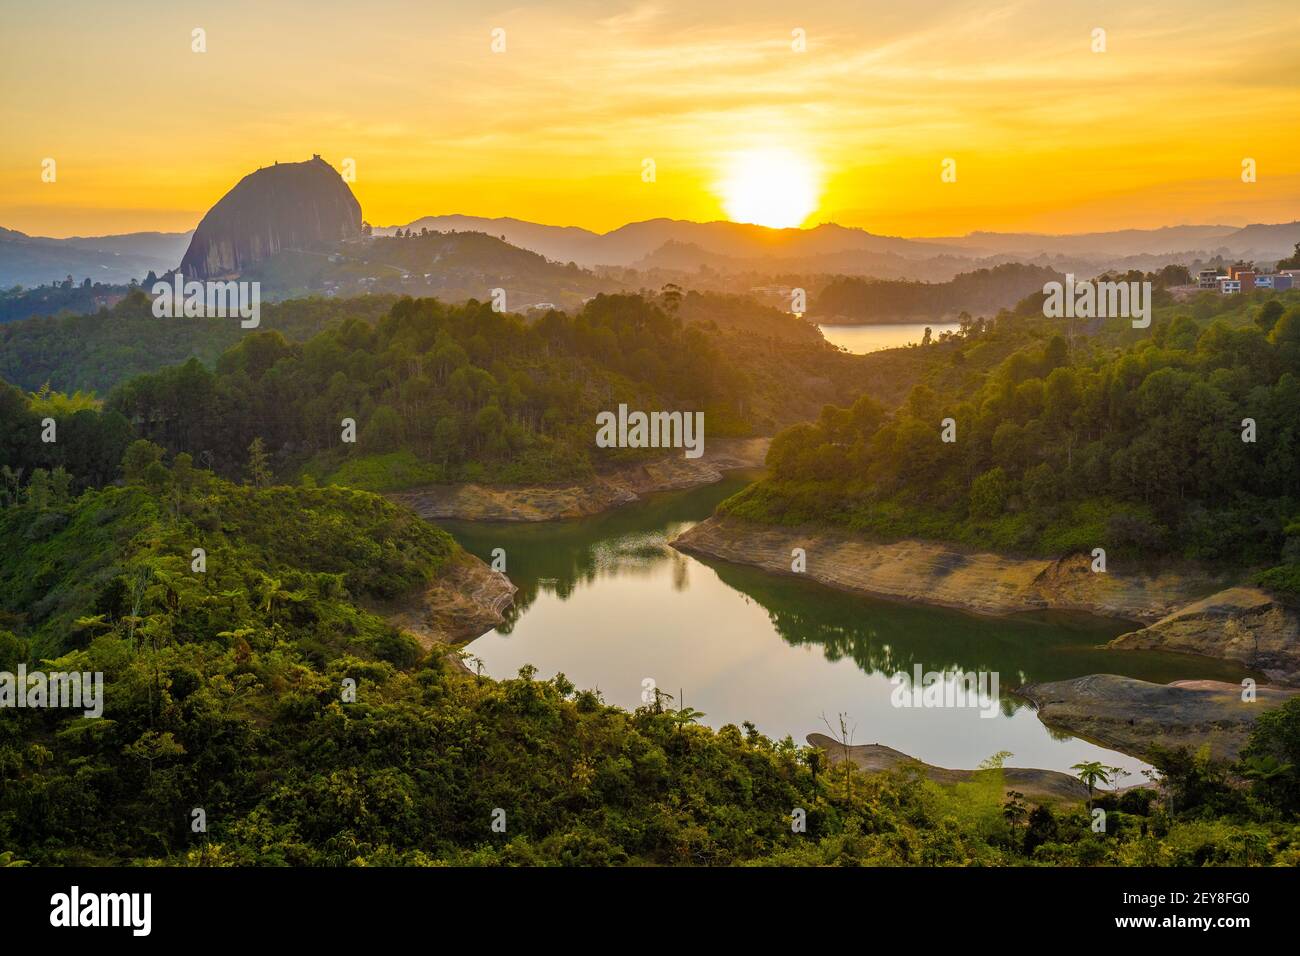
(286, 206)
(982, 292)
(627, 244)
(454, 267)
(830, 248)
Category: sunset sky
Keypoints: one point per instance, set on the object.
(1047, 135)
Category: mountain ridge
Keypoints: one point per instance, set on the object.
(628, 245)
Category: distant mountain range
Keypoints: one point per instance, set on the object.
(37, 260)
(628, 245)
(306, 210)
(830, 248)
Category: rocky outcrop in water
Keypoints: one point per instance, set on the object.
(1241, 624)
(285, 206)
(1132, 715)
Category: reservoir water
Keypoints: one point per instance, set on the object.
(607, 602)
(860, 339)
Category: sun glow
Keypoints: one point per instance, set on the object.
(770, 187)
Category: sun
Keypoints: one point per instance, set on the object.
(770, 187)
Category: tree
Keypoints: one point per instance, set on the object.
(672, 297)
(383, 432)
(988, 494)
(60, 485)
(1015, 811)
(1293, 261)
(259, 469)
(1273, 754)
(184, 474)
(845, 739)
(684, 715)
(1042, 828)
(140, 454)
(152, 745)
(1268, 315)
(1091, 773)
(1286, 337)
(39, 493)
(10, 484)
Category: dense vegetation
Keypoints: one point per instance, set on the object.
(452, 266)
(54, 299)
(444, 393)
(984, 291)
(1072, 443)
(228, 691)
(87, 444)
(848, 299)
(95, 352)
(271, 690)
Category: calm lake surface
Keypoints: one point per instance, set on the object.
(607, 602)
(861, 339)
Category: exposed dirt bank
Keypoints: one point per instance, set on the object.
(576, 500)
(930, 573)
(467, 600)
(1043, 786)
(1132, 716)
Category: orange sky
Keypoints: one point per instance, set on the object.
(1046, 134)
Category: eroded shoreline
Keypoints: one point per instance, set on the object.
(522, 503)
(1185, 610)
(930, 573)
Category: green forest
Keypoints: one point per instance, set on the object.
(269, 692)
(183, 539)
(99, 350)
(465, 393)
(1066, 443)
(983, 291)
